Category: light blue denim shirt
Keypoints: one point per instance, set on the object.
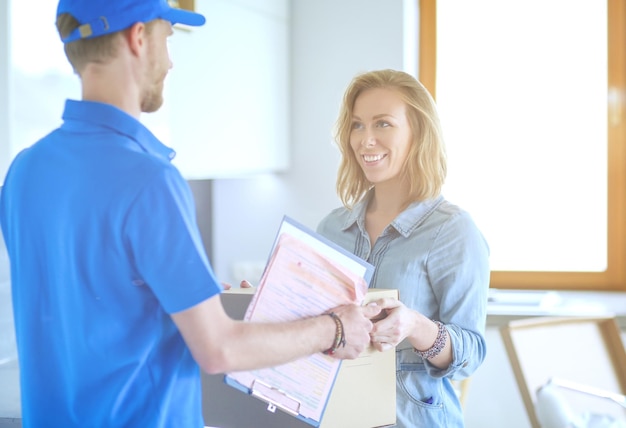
(436, 257)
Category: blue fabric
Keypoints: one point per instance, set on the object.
(436, 257)
(101, 233)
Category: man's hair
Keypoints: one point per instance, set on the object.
(425, 167)
(97, 49)
(81, 52)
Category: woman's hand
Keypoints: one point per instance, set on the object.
(396, 323)
(242, 284)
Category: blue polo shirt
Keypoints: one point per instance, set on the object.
(103, 243)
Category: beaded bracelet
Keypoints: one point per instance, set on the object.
(440, 342)
(340, 338)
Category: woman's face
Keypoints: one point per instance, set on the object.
(381, 134)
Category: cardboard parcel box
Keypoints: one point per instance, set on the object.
(363, 395)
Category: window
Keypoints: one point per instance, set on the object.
(531, 100)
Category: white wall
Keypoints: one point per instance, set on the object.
(9, 391)
(331, 41)
(5, 29)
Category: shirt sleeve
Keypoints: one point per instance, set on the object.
(164, 240)
(458, 269)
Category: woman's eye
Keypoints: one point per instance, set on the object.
(357, 125)
(383, 124)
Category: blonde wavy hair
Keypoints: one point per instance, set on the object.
(425, 166)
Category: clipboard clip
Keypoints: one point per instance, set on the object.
(275, 398)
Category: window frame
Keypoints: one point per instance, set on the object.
(614, 277)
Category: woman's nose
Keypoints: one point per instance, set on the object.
(368, 140)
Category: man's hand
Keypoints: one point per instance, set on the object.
(356, 328)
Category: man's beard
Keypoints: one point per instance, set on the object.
(152, 102)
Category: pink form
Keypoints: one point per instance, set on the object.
(301, 281)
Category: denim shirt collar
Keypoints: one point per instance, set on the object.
(405, 223)
(87, 114)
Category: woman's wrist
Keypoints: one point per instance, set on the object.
(438, 344)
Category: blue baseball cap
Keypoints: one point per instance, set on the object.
(100, 17)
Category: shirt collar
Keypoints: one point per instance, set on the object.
(405, 223)
(415, 214)
(108, 116)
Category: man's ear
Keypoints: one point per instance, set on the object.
(136, 37)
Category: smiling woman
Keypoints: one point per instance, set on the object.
(385, 161)
(530, 151)
(394, 216)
